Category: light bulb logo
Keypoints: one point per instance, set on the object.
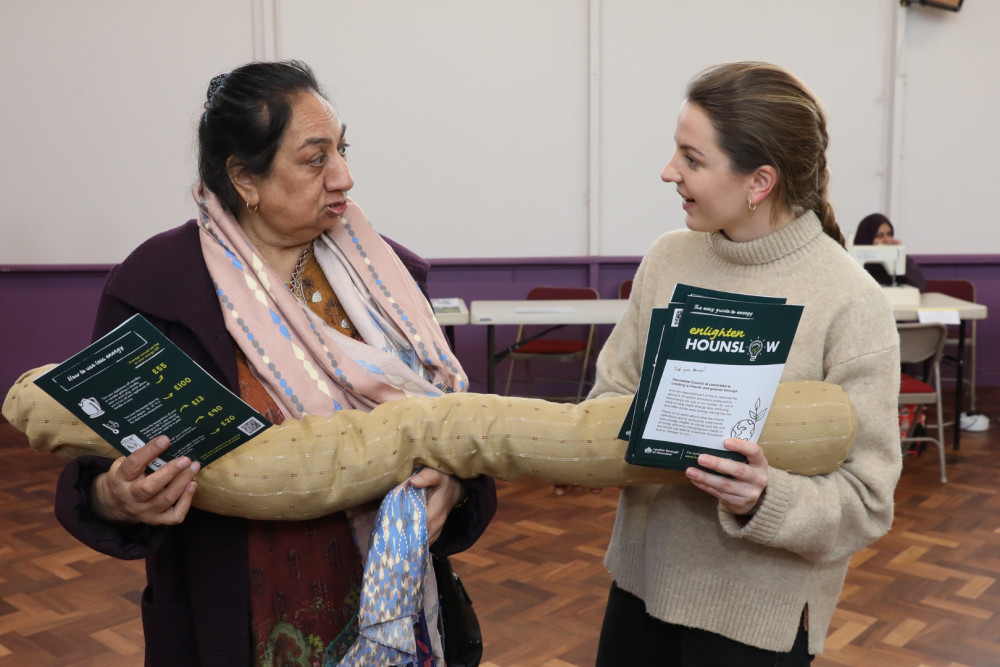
(756, 347)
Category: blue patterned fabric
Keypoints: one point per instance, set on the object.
(392, 591)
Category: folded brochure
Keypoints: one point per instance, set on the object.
(711, 367)
(663, 322)
(134, 384)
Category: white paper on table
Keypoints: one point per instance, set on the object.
(944, 316)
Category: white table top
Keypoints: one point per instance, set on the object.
(609, 311)
(559, 311)
(448, 316)
(967, 310)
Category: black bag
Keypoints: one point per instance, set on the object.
(460, 633)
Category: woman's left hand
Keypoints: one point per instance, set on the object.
(443, 493)
(741, 491)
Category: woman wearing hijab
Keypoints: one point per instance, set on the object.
(875, 229)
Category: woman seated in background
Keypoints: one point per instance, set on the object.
(279, 242)
(876, 229)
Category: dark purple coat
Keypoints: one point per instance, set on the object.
(196, 606)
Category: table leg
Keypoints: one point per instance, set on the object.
(959, 379)
(490, 361)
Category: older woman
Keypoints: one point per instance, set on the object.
(284, 292)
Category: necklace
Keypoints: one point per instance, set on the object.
(324, 301)
(296, 282)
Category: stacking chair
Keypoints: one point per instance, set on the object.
(625, 289)
(536, 346)
(965, 290)
(924, 343)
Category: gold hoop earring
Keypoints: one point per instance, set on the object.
(752, 207)
(252, 210)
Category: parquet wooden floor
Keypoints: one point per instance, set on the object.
(924, 595)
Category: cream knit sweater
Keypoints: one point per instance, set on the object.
(676, 547)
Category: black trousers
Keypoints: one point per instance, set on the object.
(632, 637)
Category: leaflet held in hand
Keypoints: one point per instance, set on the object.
(134, 384)
(712, 364)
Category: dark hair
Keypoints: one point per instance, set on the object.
(246, 113)
(763, 115)
(868, 228)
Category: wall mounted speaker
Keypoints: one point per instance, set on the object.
(951, 5)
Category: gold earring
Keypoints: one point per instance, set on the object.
(750, 205)
(252, 210)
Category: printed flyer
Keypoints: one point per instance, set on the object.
(134, 384)
(662, 323)
(713, 376)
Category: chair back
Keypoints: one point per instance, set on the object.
(536, 346)
(919, 342)
(625, 289)
(956, 287)
(547, 293)
(924, 342)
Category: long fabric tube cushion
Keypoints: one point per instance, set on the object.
(310, 467)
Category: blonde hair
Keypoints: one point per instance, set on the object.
(763, 115)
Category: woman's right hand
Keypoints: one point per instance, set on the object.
(127, 494)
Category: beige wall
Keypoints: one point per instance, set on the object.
(489, 128)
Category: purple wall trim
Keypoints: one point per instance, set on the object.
(46, 314)
(547, 261)
(955, 260)
(47, 311)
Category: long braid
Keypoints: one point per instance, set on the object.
(823, 208)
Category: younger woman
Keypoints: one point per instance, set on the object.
(745, 567)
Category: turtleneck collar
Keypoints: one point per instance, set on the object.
(780, 243)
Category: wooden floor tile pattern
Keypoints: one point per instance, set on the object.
(925, 595)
